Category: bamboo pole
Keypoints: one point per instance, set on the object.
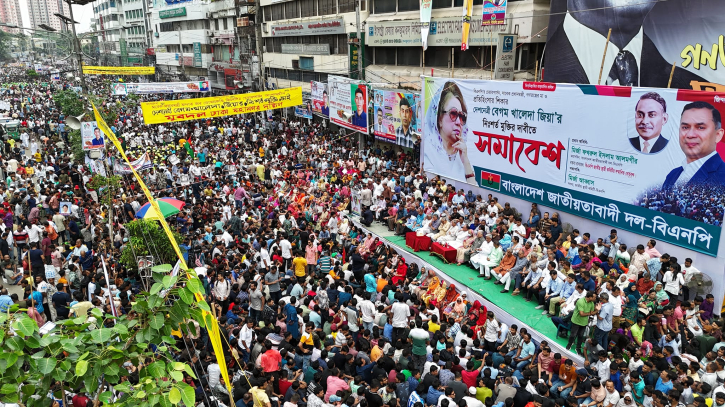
(672, 73)
(604, 57)
(536, 71)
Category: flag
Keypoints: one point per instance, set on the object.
(490, 180)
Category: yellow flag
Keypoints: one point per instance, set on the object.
(211, 323)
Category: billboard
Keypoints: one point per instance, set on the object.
(324, 27)
(304, 111)
(121, 89)
(642, 51)
(639, 159)
(494, 12)
(93, 147)
(348, 102)
(395, 117)
(320, 99)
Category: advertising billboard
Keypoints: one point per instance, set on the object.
(348, 103)
(320, 99)
(639, 159)
(395, 117)
(642, 51)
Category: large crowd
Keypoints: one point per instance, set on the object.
(317, 310)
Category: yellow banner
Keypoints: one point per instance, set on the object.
(119, 70)
(212, 325)
(205, 108)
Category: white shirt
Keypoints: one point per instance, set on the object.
(650, 143)
(286, 248)
(367, 309)
(265, 257)
(690, 169)
(401, 312)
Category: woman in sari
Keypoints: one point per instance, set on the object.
(368, 245)
(476, 314)
(662, 297)
(465, 248)
(433, 285)
(400, 272)
(449, 299)
(438, 295)
(457, 310)
(631, 299)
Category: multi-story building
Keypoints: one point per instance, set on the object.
(10, 15)
(123, 31)
(308, 39)
(305, 40)
(43, 12)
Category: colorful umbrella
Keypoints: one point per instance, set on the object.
(168, 207)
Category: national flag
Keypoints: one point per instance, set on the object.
(490, 180)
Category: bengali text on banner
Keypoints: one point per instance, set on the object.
(219, 106)
(119, 70)
(611, 154)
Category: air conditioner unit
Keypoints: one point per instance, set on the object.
(264, 48)
(265, 28)
(209, 33)
(208, 15)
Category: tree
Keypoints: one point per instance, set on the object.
(5, 40)
(69, 102)
(76, 146)
(31, 74)
(88, 353)
(147, 238)
(105, 187)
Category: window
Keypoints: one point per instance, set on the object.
(290, 10)
(307, 63)
(216, 24)
(348, 6)
(385, 55)
(468, 59)
(307, 8)
(409, 56)
(438, 57)
(277, 45)
(277, 12)
(294, 75)
(341, 44)
(441, 4)
(308, 76)
(408, 5)
(385, 6)
(267, 13)
(224, 21)
(305, 39)
(331, 40)
(327, 7)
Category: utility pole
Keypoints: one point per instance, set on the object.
(258, 46)
(181, 56)
(359, 42)
(77, 48)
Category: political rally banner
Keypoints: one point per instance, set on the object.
(426, 6)
(142, 163)
(304, 111)
(395, 117)
(467, 13)
(348, 102)
(119, 70)
(320, 99)
(494, 12)
(194, 109)
(122, 89)
(356, 207)
(91, 136)
(649, 161)
(642, 52)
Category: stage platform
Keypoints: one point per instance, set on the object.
(509, 309)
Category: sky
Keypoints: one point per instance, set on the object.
(82, 14)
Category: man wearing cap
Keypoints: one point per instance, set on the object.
(471, 400)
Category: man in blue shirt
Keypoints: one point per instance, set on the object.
(525, 354)
(360, 116)
(566, 291)
(604, 321)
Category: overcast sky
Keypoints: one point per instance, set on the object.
(82, 14)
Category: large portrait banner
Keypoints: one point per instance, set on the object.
(649, 161)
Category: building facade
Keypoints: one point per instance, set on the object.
(10, 15)
(42, 12)
(123, 31)
(297, 32)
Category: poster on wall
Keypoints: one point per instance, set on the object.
(304, 111)
(647, 166)
(356, 207)
(642, 51)
(93, 147)
(320, 99)
(494, 12)
(395, 117)
(348, 102)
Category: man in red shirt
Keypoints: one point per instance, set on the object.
(81, 400)
(270, 359)
(470, 374)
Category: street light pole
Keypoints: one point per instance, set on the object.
(78, 50)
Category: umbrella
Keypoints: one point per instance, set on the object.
(168, 207)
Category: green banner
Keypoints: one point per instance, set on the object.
(356, 55)
(197, 55)
(124, 52)
(176, 12)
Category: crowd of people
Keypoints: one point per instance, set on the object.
(318, 311)
(703, 203)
